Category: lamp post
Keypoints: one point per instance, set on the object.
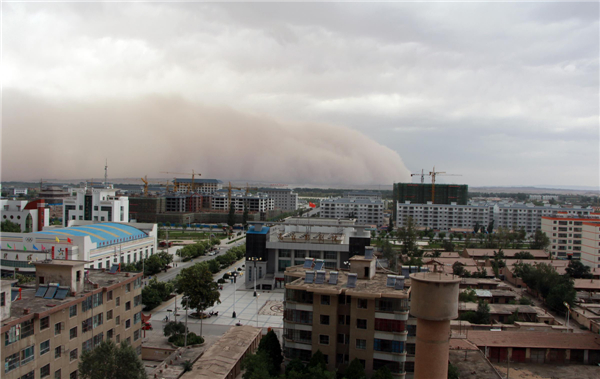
(255, 259)
(234, 285)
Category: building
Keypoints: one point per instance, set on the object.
(101, 245)
(259, 202)
(351, 314)
(146, 209)
(271, 249)
(538, 347)
(18, 191)
(95, 204)
(363, 195)
(421, 193)
(444, 217)
(365, 211)
(70, 310)
(284, 198)
(176, 202)
(31, 216)
(182, 185)
(574, 237)
(223, 360)
(53, 195)
(483, 254)
(527, 216)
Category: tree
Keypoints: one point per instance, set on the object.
(578, 270)
(198, 287)
(476, 228)
(317, 360)
(109, 361)
(391, 225)
(453, 372)
(482, 313)
(540, 240)
(490, 227)
(468, 295)
(458, 269)
(10, 227)
(173, 328)
(383, 373)
(155, 293)
(295, 366)
(524, 255)
(355, 370)
(441, 236)
(408, 236)
(256, 366)
(561, 293)
(231, 215)
(270, 345)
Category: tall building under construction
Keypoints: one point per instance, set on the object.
(418, 193)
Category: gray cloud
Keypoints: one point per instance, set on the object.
(152, 134)
(503, 93)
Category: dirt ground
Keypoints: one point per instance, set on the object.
(474, 367)
(546, 371)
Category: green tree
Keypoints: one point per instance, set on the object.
(524, 255)
(383, 373)
(453, 372)
(408, 236)
(295, 366)
(271, 346)
(109, 361)
(317, 360)
(483, 313)
(10, 227)
(441, 236)
(578, 270)
(173, 328)
(198, 287)
(231, 215)
(561, 293)
(256, 366)
(214, 266)
(540, 240)
(155, 293)
(490, 227)
(355, 370)
(468, 295)
(458, 269)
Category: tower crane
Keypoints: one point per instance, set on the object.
(193, 174)
(422, 176)
(147, 182)
(433, 174)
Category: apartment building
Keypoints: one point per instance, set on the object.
(184, 185)
(280, 245)
(99, 244)
(421, 193)
(529, 217)
(363, 195)
(358, 313)
(46, 327)
(31, 216)
(259, 202)
(365, 211)
(95, 204)
(574, 237)
(444, 217)
(283, 198)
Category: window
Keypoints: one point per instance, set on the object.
(118, 320)
(109, 315)
(86, 346)
(361, 344)
(136, 335)
(362, 303)
(137, 317)
(2, 299)
(57, 328)
(98, 338)
(128, 288)
(86, 325)
(325, 300)
(57, 352)
(118, 339)
(86, 304)
(73, 375)
(73, 310)
(98, 320)
(341, 319)
(44, 347)
(73, 333)
(388, 346)
(137, 300)
(27, 355)
(361, 323)
(45, 371)
(323, 339)
(57, 374)
(45, 323)
(73, 355)
(342, 338)
(29, 375)
(109, 294)
(128, 323)
(98, 299)
(110, 334)
(128, 305)
(324, 320)
(118, 302)
(11, 362)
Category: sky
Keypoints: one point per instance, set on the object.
(502, 94)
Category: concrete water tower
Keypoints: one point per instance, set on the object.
(434, 302)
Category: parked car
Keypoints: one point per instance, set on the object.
(164, 244)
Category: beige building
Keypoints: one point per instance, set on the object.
(575, 237)
(46, 327)
(346, 315)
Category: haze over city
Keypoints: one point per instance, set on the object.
(363, 94)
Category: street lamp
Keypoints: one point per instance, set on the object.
(255, 259)
(234, 285)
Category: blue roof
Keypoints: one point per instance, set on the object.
(265, 230)
(104, 234)
(198, 180)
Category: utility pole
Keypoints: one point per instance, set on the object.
(234, 289)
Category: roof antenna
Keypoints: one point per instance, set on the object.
(106, 173)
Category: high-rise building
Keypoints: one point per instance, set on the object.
(574, 237)
(46, 327)
(95, 204)
(184, 185)
(284, 198)
(418, 193)
(365, 211)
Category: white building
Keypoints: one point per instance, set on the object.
(363, 195)
(95, 204)
(284, 198)
(444, 217)
(18, 191)
(574, 237)
(528, 216)
(31, 216)
(365, 211)
(102, 244)
(259, 202)
(184, 185)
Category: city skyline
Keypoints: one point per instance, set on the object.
(365, 94)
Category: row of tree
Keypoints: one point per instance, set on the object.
(542, 278)
(151, 265)
(198, 249)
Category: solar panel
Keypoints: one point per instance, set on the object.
(310, 276)
(399, 283)
(41, 291)
(391, 281)
(320, 277)
(113, 269)
(50, 293)
(333, 277)
(308, 263)
(405, 270)
(351, 281)
(319, 264)
(369, 253)
(14, 294)
(61, 293)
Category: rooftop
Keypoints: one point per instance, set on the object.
(508, 253)
(221, 358)
(499, 309)
(345, 200)
(540, 340)
(586, 284)
(107, 233)
(198, 180)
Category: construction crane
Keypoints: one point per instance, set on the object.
(433, 174)
(147, 182)
(422, 176)
(193, 174)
